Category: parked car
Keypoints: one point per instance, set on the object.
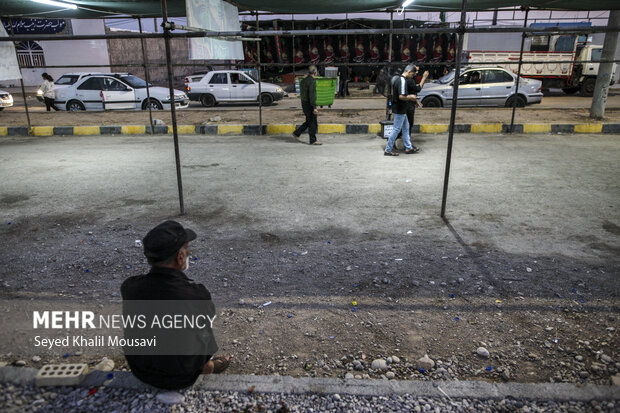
(232, 86)
(486, 86)
(6, 100)
(117, 90)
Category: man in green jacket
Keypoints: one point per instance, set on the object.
(307, 93)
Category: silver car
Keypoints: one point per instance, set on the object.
(486, 86)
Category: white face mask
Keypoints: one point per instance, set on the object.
(186, 265)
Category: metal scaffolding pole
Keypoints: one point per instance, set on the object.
(260, 90)
(21, 82)
(455, 95)
(514, 100)
(146, 77)
(164, 12)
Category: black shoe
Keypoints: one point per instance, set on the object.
(388, 153)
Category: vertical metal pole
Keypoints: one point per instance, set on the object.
(146, 77)
(164, 12)
(390, 49)
(455, 94)
(21, 81)
(346, 41)
(260, 90)
(514, 101)
(293, 28)
(601, 87)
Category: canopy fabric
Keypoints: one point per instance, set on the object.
(176, 8)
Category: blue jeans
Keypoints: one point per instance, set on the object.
(400, 122)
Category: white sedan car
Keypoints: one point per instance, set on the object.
(6, 100)
(107, 91)
(232, 86)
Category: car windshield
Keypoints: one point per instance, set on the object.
(134, 81)
(251, 77)
(447, 78)
(66, 80)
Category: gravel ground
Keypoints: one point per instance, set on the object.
(69, 399)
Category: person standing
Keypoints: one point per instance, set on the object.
(412, 89)
(399, 108)
(345, 77)
(48, 91)
(307, 93)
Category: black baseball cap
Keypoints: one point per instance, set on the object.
(165, 240)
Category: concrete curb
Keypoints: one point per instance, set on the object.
(291, 385)
(324, 128)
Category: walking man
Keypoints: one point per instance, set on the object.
(399, 108)
(307, 93)
(412, 89)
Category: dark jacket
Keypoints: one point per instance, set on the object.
(307, 90)
(167, 371)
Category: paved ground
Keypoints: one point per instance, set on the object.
(530, 250)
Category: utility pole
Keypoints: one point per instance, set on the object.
(597, 110)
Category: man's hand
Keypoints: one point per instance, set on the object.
(316, 111)
(418, 104)
(413, 97)
(425, 75)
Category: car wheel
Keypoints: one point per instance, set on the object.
(587, 87)
(431, 102)
(266, 99)
(570, 90)
(519, 100)
(153, 103)
(75, 106)
(207, 101)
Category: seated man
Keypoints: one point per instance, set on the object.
(167, 251)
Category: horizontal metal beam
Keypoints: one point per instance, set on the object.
(153, 64)
(318, 32)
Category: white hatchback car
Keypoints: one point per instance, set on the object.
(106, 91)
(232, 86)
(6, 100)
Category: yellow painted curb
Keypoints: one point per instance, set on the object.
(332, 128)
(278, 129)
(4, 131)
(433, 128)
(225, 129)
(133, 130)
(589, 128)
(536, 128)
(184, 129)
(374, 128)
(43, 130)
(486, 128)
(86, 130)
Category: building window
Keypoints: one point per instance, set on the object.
(30, 54)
